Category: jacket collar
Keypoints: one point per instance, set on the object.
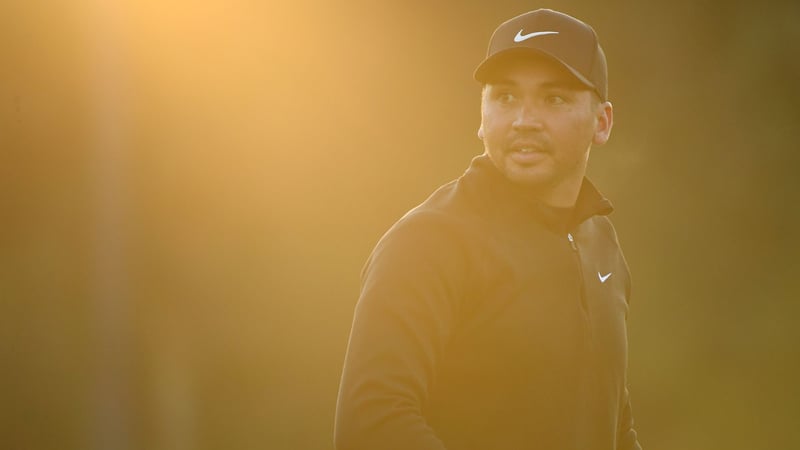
(495, 191)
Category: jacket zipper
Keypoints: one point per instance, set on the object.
(582, 282)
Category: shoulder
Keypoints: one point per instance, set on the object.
(603, 228)
(446, 213)
(424, 232)
(441, 232)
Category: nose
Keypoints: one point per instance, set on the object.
(528, 119)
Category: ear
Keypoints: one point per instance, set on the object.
(605, 120)
(480, 132)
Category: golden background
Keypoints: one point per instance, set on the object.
(189, 190)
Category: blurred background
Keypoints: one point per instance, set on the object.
(189, 191)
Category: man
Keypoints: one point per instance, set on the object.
(492, 316)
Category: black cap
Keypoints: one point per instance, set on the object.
(564, 38)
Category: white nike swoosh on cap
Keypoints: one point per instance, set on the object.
(523, 37)
(603, 278)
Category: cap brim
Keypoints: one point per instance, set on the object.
(489, 68)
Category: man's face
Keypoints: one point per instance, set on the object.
(538, 123)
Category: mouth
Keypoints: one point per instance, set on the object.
(526, 154)
(527, 146)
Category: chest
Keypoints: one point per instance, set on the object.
(546, 305)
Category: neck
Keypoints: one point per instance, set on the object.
(563, 198)
(562, 195)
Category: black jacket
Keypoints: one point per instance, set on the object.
(486, 322)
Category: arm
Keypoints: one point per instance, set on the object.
(402, 321)
(626, 435)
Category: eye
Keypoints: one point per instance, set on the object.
(555, 99)
(505, 97)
